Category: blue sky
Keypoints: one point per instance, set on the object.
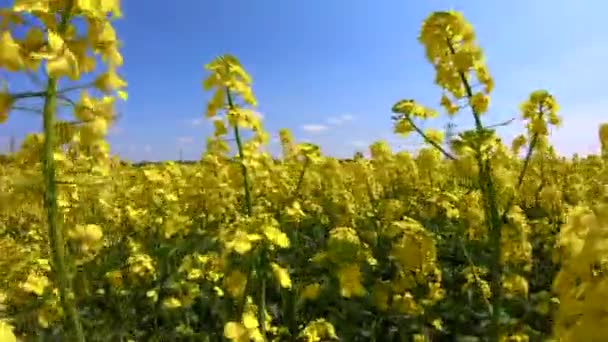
(330, 70)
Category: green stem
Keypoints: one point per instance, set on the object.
(239, 145)
(495, 223)
(475, 275)
(522, 173)
(429, 140)
(262, 299)
(55, 227)
(248, 204)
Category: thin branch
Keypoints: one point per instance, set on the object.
(76, 87)
(504, 123)
(476, 275)
(28, 95)
(428, 140)
(522, 174)
(27, 109)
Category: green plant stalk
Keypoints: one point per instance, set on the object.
(248, 204)
(522, 173)
(239, 145)
(55, 227)
(488, 188)
(288, 297)
(262, 298)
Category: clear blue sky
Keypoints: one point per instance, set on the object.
(330, 70)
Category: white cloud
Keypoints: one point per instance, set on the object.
(360, 143)
(339, 120)
(115, 130)
(314, 128)
(147, 148)
(185, 140)
(196, 122)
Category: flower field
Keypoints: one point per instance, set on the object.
(468, 239)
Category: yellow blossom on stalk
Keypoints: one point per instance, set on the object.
(448, 105)
(518, 143)
(9, 52)
(318, 330)
(603, 135)
(310, 291)
(6, 102)
(88, 236)
(6, 332)
(235, 283)
(381, 294)
(282, 275)
(406, 304)
(515, 284)
(115, 278)
(434, 136)
(350, 281)
(540, 110)
(109, 81)
(276, 236)
(413, 109)
(35, 284)
(227, 72)
(235, 331)
(403, 127)
(450, 45)
(172, 303)
(480, 102)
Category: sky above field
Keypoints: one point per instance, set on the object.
(330, 71)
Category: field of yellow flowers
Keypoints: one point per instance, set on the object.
(464, 240)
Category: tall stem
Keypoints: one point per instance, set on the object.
(262, 256)
(262, 299)
(488, 188)
(239, 145)
(55, 226)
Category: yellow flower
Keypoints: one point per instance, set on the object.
(235, 283)
(603, 133)
(381, 296)
(236, 332)
(276, 236)
(449, 107)
(282, 275)
(88, 236)
(9, 52)
(350, 281)
(310, 291)
(318, 330)
(406, 303)
(480, 103)
(172, 303)
(6, 332)
(6, 102)
(403, 127)
(109, 81)
(115, 278)
(64, 65)
(242, 242)
(35, 284)
(434, 135)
